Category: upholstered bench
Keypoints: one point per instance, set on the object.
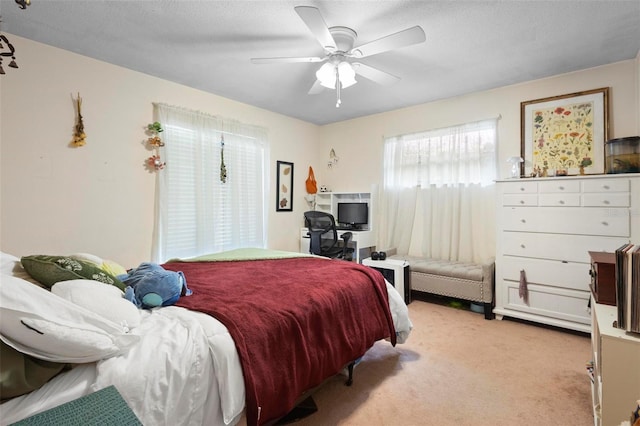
(460, 280)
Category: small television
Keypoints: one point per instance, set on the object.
(353, 215)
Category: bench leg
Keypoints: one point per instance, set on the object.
(488, 311)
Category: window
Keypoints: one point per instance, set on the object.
(197, 213)
(438, 194)
(462, 154)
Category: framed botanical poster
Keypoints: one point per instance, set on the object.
(284, 186)
(565, 135)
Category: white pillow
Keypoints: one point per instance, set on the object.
(103, 299)
(7, 263)
(41, 324)
(10, 265)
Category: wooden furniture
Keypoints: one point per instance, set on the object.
(615, 386)
(603, 277)
(546, 228)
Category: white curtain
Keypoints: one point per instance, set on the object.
(196, 213)
(438, 197)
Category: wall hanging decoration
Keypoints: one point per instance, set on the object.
(223, 167)
(311, 184)
(79, 137)
(565, 134)
(333, 159)
(154, 162)
(284, 186)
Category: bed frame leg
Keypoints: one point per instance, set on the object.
(350, 369)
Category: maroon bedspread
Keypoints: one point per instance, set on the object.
(295, 321)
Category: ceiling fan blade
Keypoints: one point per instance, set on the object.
(284, 60)
(402, 38)
(312, 17)
(374, 74)
(316, 88)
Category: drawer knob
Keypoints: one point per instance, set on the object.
(605, 186)
(521, 189)
(605, 223)
(561, 201)
(521, 201)
(606, 202)
(561, 188)
(523, 220)
(522, 246)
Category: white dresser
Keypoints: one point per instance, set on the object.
(615, 380)
(546, 227)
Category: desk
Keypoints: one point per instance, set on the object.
(362, 242)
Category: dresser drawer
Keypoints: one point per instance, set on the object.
(585, 221)
(555, 273)
(559, 199)
(605, 185)
(614, 199)
(519, 200)
(559, 186)
(569, 305)
(520, 187)
(562, 247)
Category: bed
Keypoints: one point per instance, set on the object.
(261, 329)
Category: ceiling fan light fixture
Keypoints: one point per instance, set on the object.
(343, 72)
(346, 74)
(326, 75)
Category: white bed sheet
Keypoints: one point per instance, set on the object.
(184, 371)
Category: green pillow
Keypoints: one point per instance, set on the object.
(22, 373)
(49, 270)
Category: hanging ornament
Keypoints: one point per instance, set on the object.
(155, 129)
(155, 163)
(79, 137)
(223, 168)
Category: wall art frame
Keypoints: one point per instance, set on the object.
(284, 186)
(565, 134)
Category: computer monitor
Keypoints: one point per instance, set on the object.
(353, 214)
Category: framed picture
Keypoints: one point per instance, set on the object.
(565, 135)
(284, 186)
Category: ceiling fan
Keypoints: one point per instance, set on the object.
(339, 69)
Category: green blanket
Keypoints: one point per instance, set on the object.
(244, 254)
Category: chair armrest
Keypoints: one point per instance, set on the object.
(346, 236)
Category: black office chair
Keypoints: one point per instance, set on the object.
(324, 236)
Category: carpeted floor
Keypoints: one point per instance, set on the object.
(459, 369)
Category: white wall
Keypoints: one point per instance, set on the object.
(637, 82)
(359, 142)
(99, 198)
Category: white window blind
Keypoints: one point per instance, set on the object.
(196, 213)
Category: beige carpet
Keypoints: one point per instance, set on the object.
(459, 369)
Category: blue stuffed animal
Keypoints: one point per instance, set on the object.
(150, 285)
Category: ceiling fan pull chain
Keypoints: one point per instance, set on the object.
(338, 101)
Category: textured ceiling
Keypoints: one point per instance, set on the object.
(470, 45)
